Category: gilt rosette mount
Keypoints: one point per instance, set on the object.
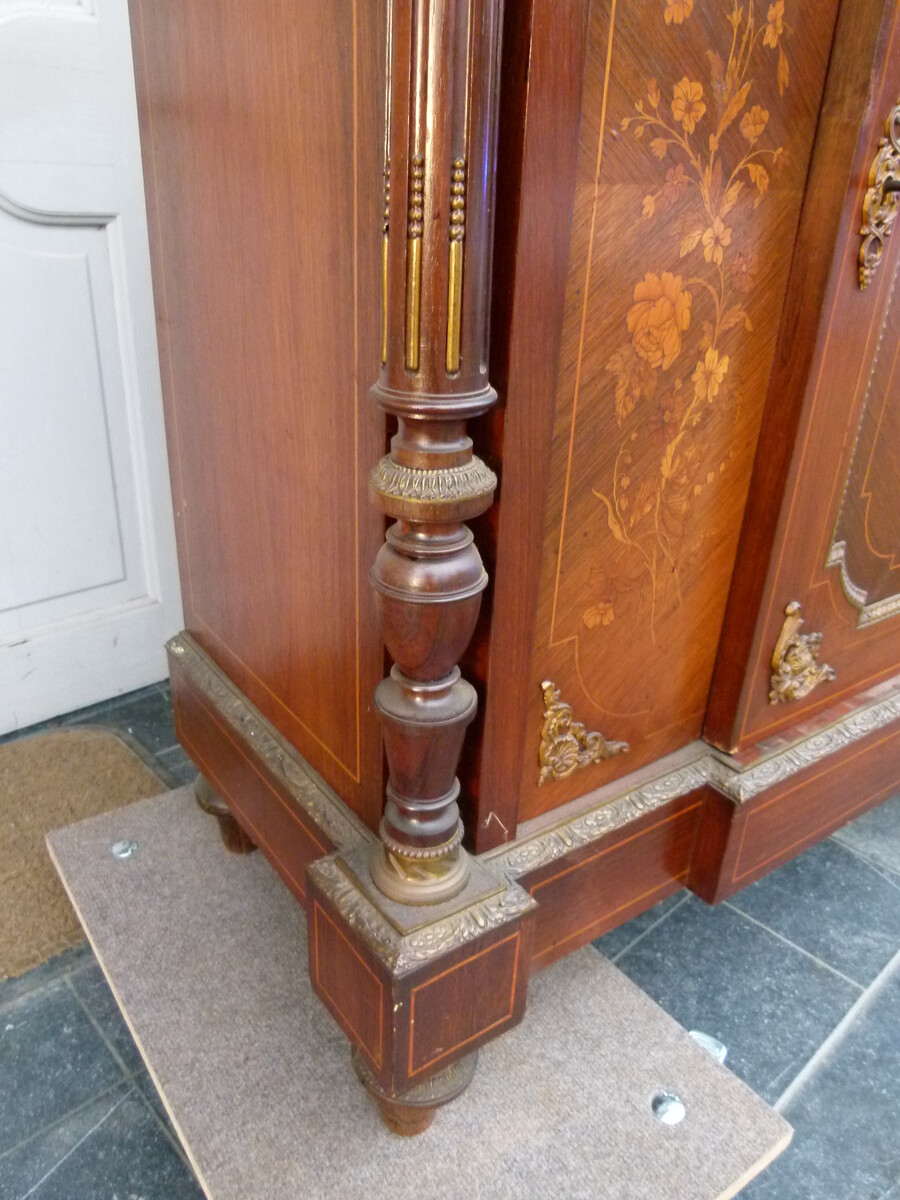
(428, 577)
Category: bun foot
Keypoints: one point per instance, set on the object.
(405, 1119)
(411, 1112)
(234, 837)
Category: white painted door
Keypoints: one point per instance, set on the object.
(88, 577)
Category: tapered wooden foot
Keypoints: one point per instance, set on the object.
(405, 1119)
(412, 1111)
(234, 837)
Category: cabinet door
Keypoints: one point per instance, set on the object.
(638, 369)
(822, 530)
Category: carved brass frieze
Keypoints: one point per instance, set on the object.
(880, 203)
(566, 745)
(796, 669)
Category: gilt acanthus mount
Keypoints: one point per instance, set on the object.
(566, 745)
(796, 669)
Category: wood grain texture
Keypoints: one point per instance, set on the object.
(412, 1025)
(541, 88)
(742, 842)
(683, 219)
(592, 890)
(263, 808)
(833, 401)
(261, 136)
(428, 576)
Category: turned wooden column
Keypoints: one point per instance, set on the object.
(428, 577)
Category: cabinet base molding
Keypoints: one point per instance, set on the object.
(417, 989)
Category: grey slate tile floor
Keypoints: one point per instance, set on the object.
(799, 975)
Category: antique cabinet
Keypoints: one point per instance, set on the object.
(607, 561)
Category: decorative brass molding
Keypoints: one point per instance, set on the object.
(869, 613)
(796, 669)
(455, 268)
(566, 746)
(528, 854)
(385, 243)
(744, 785)
(404, 953)
(880, 203)
(450, 485)
(414, 230)
(324, 808)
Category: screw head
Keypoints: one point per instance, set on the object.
(668, 1108)
(124, 849)
(711, 1045)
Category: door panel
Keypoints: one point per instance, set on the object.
(835, 546)
(697, 123)
(865, 546)
(88, 579)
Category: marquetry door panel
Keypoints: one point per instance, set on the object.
(696, 128)
(263, 140)
(836, 551)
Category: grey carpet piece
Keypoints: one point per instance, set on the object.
(206, 953)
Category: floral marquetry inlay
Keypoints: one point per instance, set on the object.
(708, 137)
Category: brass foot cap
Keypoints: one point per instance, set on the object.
(419, 881)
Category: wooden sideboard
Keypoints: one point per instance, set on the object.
(610, 568)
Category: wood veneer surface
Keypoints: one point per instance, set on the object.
(827, 472)
(677, 266)
(261, 134)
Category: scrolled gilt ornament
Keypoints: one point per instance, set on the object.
(796, 669)
(566, 745)
(881, 200)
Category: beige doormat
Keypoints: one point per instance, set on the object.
(206, 954)
(48, 780)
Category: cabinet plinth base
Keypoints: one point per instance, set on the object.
(417, 992)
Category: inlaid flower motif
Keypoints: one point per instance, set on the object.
(599, 615)
(678, 10)
(709, 373)
(774, 24)
(715, 239)
(676, 183)
(754, 122)
(744, 270)
(660, 314)
(673, 382)
(688, 106)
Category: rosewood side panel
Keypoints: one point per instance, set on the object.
(261, 131)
